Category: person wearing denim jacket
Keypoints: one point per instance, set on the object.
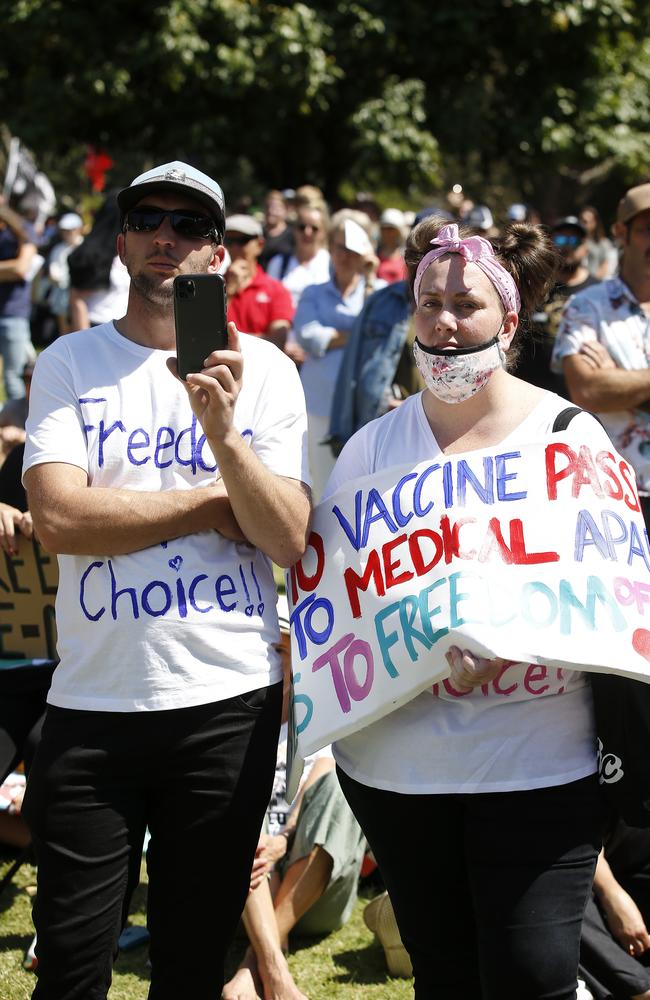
(369, 366)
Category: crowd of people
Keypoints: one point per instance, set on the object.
(359, 339)
(63, 280)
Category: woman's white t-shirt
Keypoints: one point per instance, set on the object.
(530, 730)
(297, 276)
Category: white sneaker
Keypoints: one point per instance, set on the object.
(30, 960)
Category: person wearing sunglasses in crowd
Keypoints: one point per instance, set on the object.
(570, 239)
(257, 303)
(166, 502)
(534, 365)
(309, 264)
(481, 806)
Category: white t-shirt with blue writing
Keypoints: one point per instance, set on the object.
(192, 620)
(533, 726)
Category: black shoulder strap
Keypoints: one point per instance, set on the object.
(565, 417)
(286, 257)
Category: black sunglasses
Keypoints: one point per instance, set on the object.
(189, 224)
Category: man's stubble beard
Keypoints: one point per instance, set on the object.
(158, 294)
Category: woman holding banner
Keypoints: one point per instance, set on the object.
(479, 797)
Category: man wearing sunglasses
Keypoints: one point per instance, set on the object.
(570, 239)
(165, 502)
(534, 365)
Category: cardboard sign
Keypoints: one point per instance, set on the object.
(539, 556)
(28, 583)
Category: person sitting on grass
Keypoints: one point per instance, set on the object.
(615, 942)
(305, 874)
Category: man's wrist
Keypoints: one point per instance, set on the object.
(228, 443)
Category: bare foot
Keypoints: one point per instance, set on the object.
(278, 981)
(245, 984)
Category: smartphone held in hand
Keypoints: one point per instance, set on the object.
(200, 318)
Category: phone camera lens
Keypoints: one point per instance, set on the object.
(187, 289)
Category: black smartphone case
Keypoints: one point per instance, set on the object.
(200, 318)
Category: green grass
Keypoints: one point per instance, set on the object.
(346, 965)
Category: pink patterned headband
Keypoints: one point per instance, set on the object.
(479, 252)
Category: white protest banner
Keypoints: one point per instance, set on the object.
(538, 555)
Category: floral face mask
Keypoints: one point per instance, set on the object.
(455, 375)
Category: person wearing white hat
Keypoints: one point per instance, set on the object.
(70, 222)
(323, 322)
(480, 218)
(166, 502)
(257, 303)
(57, 275)
(517, 212)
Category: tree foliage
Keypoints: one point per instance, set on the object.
(371, 93)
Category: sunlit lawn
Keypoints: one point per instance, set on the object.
(347, 965)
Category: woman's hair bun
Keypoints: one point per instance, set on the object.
(529, 254)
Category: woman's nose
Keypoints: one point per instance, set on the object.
(445, 320)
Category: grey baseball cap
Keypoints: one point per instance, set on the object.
(181, 177)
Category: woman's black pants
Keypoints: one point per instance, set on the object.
(489, 890)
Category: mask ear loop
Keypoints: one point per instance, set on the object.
(502, 353)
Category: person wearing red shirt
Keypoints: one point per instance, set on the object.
(392, 232)
(257, 304)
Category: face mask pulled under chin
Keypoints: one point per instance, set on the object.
(455, 375)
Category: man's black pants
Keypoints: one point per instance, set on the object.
(200, 779)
